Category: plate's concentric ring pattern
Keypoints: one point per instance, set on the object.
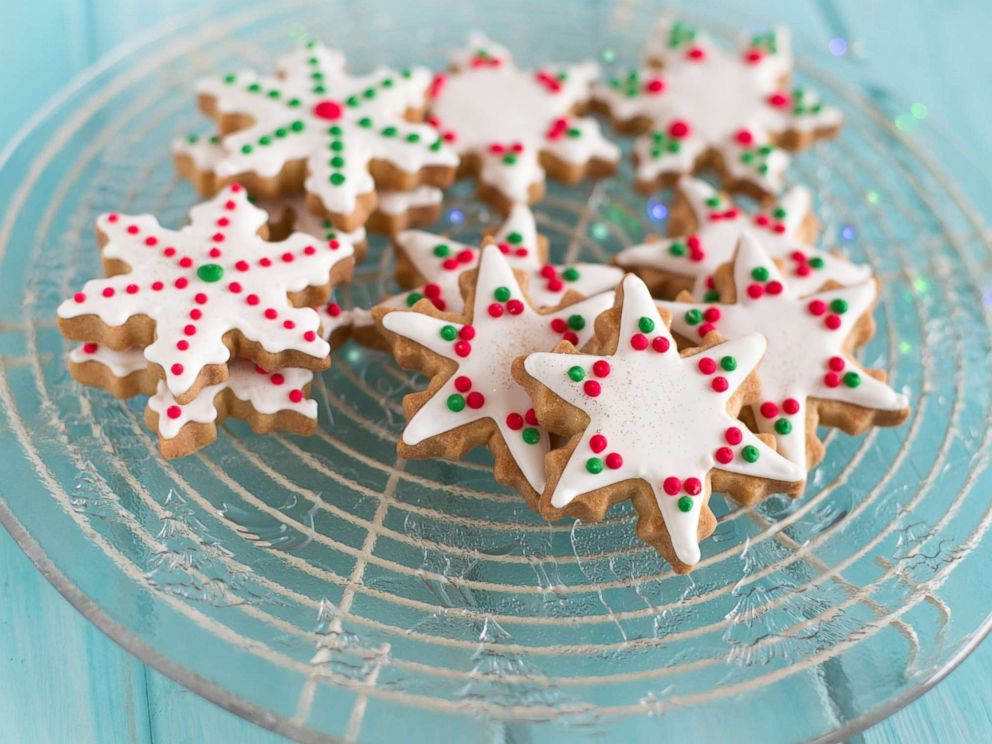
(324, 588)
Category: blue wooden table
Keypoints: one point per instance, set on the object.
(62, 680)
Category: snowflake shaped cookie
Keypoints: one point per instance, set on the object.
(808, 376)
(316, 128)
(710, 226)
(197, 297)
(269, 401)
(473, 399)
(508, 125)
(648, 424)
(198, 156)
(707, 107)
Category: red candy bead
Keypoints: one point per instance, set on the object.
(176, 369)
(769, 409)
(597, 443)
(755, 291)
(836, 363)
(817, 307)
(678, 129)
(706, 365)
(660, 344)
(831, 379)
(591, 388)
(463, 384)
(733, 435)
(672, 485)
(790, 406)
(467, 332)
(724, 455)
(601, 368)
(495, 310)
(514, 307)
(530, 417)
(639, 341)
(614, 460)
(692, 486)
(173, 412)
(296, 396)
(712, 314)
(515, 421)
(832, 321)
(462, 348)
(720, 384)
(475, 399)
(774, 287)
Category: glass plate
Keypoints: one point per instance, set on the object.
(323, 588)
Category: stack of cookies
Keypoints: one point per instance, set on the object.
(703, 361)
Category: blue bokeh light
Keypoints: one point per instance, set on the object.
(848, 233)
(657, 211)
(837, 46)
(456, 216)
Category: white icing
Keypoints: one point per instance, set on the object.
(518, 237)
(719, 230)
(660, 413)
(487, 103)
(400, 202)
(120, 363)
(267, 393)
(496, 343)
(409, 147)
(718, 95)
(256, 268)
(800, 345)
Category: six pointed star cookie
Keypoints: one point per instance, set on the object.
(510, 125)
(702, 106)
(809, 376)
(650, 425)
(472, 398)
(707, 227)
(215, 290)
(319, 129)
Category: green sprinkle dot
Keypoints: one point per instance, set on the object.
(839, 306)
(192, 139)
(406, 72)
(336, 146)
(293, 102)
(760, 274)
(413, 137)
(747, 157)
(274, 93)
(387, 83)
(436, 145)
(365, 122)
(230, 78)
(210, 272)
(336, 179)
(693, 316)
(778, 213)
(442, 250)
(783, 426)
(337, 162)
(456, 402)
(254, 87)
(246, 149)
(576, 322)
(766, 149)
(297, 126)
(335, 131)
(515, 238)
(763, 168)
(413, 298)
(576, 373)
(510, 159)
(713, 202)
(389, 132)
(264, 140)
(852, 379)
(674, 146)
(711, 295)
(449, 333)
(750, 453)
(573, 132)
(530, 435)
(728, 363)
(571, 274)
(594, 465)
(281, 132)
(352, 101)
(369, 93)
(645, 324)
(816, 262)
(677, 249)
(685, 504)
(656, 152)
(501, 294)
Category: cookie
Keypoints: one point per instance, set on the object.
(705, 227)
(213, 291)
(512, 127)
(317, 129)
(268, 401)
(698, 106)
(197, 157)
(809, 375)
(472, 399)
(648, 424)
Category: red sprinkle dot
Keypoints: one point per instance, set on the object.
(132, 229)
(597, 443)
(558, 325)
(182, 282)
(310, 336)
(790, 406)
(591, 388)
(672, 485)
(463, 384)
(530, 417)
(755, 291)
(157, 286)
(462, 348)
(571, 337)
(660, 344)
(744, 137)
(733, 435)
(182, 344)
(277, 379)
(195, 314)
(467, 332)
(176, 369)
(234, 287)
(639, 341)
(774, 287)
(769, 409)
(79, 297)
(724, 455)
(108, 292)
(271, 313)
(173, 412)
(831, 379)
(692, 486)
(614, 460)
(296, 396)
(475, 399)
(707, 366)
(712, 314)
(190, 330)
(288, 325)
(495, 310)
(252, 299)
(514, 307)
(678, 129)
(131, 289)
(601, 368)
(90, 348)
(515, 421)
(242, 266)
(832, 321)
(836, 363)
(720, 384)
(817, 307)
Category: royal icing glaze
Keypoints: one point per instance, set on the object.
(441, 261)
(658, 417)
(720, 226)
(337, 122)
(508, 117)
(806, 337)
(704, 99)
(501, 326)
(266, 392)
(213, 276)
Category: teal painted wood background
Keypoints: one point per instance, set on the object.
(61, 680)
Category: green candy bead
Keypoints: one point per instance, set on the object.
(839, 306)
(449, 333)
(442, 250)
(530, 435)
(515, 238)
(456, 402)
(693, 316)
(760, 274)
(210, 272)
(570, 274)
(783, 426)
(413, 298)
(852, 379)
(728, 363)
(685, 504)
(576, 322)
(645, 324)
(501, 294)
(750, 453)
(594, 465)
(576, 373)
